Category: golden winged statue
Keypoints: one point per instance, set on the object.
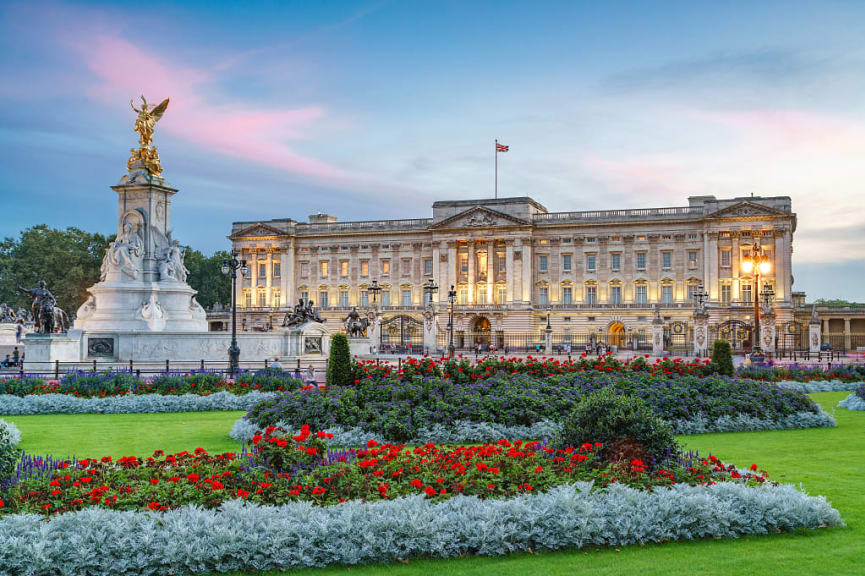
(145, 125)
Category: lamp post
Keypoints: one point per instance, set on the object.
(700, 297)
(759, 263)
(452, 297)
(230, 268)
(375, 289)
(429, 289)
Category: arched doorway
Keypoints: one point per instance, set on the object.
(482, 331)
(616, 335)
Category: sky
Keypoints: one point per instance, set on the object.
(369, 110)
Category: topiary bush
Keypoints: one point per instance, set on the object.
(722, 357)
(339, 371)
(625, 427)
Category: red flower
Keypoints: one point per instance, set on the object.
(217, 485)
(539, 469)
(192, 478)
(154, 481)
(430, 491)
(754, 467)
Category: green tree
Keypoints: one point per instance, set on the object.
(68, 260)
(339, 365)
(205, 275)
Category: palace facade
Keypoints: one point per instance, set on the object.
(597, 275)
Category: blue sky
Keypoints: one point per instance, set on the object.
(376, 109)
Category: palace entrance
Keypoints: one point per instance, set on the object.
(616, 335)
(737, 333)
(482, 331)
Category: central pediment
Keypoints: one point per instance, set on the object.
(257, 230)
(480, 217)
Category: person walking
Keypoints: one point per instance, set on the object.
(19, 331)
(310, 376)
(16, 358)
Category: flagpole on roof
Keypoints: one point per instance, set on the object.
(496, 152)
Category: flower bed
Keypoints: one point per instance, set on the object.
(804, 373)
(855, 401)
(124, 383)
(292, 502)
(400, 410)
(129, 404)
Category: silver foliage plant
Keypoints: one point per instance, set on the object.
(464, 432)
(852, 402)
(248, 537)
(132, 404)
(823, 386)
(10, 435)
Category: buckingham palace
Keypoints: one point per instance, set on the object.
(517, 269)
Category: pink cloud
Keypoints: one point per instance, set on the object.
(235, 129)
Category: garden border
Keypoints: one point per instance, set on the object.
(852, 402)
(248, 537)
(819, 386)
(464, 432)
(34, 404)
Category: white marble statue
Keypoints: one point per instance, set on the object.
(171, 265)
(125, 253)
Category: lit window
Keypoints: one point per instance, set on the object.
(364, 267)
(482, 296)
(501, 262)
(463, 296)
(746, 292)
(275, 298)
(277, 269)
(725, 258)
(725, 294)
(502, 295)
(343, 268)
(385, 267)
(464, 263)
(692, 259)
(324, 268)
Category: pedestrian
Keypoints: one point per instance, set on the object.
(275, 363)
(16, 358)
(310, 375)
(7, 362)
(19, 331)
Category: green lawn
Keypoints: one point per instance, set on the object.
(825, 461)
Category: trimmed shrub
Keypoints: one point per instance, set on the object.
(135, 404)
(339, 365)
(9, 452)
(722, 357)
(626, 428)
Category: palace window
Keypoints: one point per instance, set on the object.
(746, 292)
(692, 236)
(542, 263)
(566, 262)
(482, 295)
(304, 270)
(726, 258)
(482, 264)
(641, 293)
(501, 294)
(262, 269)
(590, 262)
(591, 295)
(364, 298)
(463, 296)
(385, 297)
(616, 261)
(427, 266)
(464, 264)
(277, 269)
(322, 299)
(567, 295)
(304, 295)
(385, 267)
(275, 298)
(543, 296)
(692, 292)
(591, 240)
(427, 297)
(692, 258)
(667, 293)
(364, 267)
(726, 294)
(406, 297)
(615, 295)
(641, 238)
(324, 264)
(248, 298)
(343, 268)
(641, 260)
(406, 266)
(501, 262)
(343, 298)
(666, 260)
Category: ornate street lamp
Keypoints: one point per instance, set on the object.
(759, 263)
(700, 297)
(768, 295)
(429, 290)
(230, 268)
(375, 289)
(452, 297)
(549, 328)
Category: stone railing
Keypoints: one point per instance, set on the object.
(364, 226)
(617, 215)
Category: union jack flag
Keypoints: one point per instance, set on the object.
(501, 147)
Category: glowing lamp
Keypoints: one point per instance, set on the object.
(747, 265)
(765, 266)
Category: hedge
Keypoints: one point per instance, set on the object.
(245, 537)
(133, 404)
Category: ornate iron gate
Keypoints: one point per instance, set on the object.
(401, 334)
(737, 333)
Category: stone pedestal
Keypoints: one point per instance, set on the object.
(361, 347)
(815, 336)
(701, 333)
(310, 340)
(430, 330)
(548, 342)
(767, 333)
(45, 349)
(657, 334)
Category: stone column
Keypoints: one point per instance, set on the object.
(491, 254)
(767, 332)
(509, 271)
(657, 334)
(430, 330)
(453, 264)
(846, 333)
(736, 294)
(268, 277)
(701, 333)
(471, 291)
(548, 341)
(436, 262)
(815, 337)
(528, 264)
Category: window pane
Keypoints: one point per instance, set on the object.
(543, 296)
(566, 262)
(428, 267)
(364, 298)
(304, 270)
(616, 295)
(322, 299)
(542, 263)
(277, 270)
(666, 259)
(616, 260)
(324, 269)
(641, 260)
(567, 297)
(364, 268)
(590, 262)
(385, 266)
(385, 298)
